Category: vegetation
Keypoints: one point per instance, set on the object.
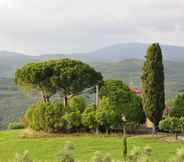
(136, 155)
(48, 148)
(13, 103)
(153, 85)
(71, 77)
(120, 101)
(36, 77)
(46, 116)
(117, 108)
(173, 125)
(178, 106)
(16, 125)
(68, 77)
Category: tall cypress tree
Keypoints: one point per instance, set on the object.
(153, 85)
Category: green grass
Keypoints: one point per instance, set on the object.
(85, 146)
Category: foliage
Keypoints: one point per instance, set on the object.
(100, 157)
(23, 157)
(172, 125)
(109, 87)
(36, 77)
(105, 116)
(46, 116)
(138, 154)
(77, 103)
(47, 146)
(153, 84)
(89, 117)
(179, 156)
(16, 125)
(71, 77)
(73, 121)
(121, 101)
(67, 154)
(178, 106)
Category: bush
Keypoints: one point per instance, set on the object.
(178, 106)
(73, 121)
(89, 117)
(121, 101)
(138, 154)
(16, 125)
(67, 154)
(172, 125)
(24, 157)
(46, 116)
(77, 103)
(100, 157)
(179, 156)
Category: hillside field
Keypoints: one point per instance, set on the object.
(85, 146)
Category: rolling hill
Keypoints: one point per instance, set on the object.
(115, 62)
(9, 61)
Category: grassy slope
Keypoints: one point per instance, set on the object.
(85, 146)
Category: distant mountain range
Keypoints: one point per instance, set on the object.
(9, 61)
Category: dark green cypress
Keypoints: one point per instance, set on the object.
(153, 85)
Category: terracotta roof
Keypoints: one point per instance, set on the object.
(138, 91)
(135, 90)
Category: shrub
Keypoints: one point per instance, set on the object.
(178, 106)
(138, 154)
(77, 103)
(67, 154)
(179, 157)
(46, 116)
(100, 157)
(23, 157)
(16, 125)
(73, 121)
(105, 115)
(89, 117)
(121, 101)
(172, 125)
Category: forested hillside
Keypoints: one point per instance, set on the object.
(13, 102)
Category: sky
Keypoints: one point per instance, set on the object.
(37, 27)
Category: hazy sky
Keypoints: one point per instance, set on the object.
(50, 26)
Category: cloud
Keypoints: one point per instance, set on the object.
(45, 26)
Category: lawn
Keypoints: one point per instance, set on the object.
(85, 146)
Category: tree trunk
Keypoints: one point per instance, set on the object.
(43, 96)
(107, 131)
(97, 130)
(125, 147)
(154, 131)
(65, 101)
(176, 136)
(47, 98)
(97, 95)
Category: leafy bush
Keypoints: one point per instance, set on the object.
(105, 116)
(67, 154)
(23, 157)
(73, 121)
(89, 117)
(178, 106)
(77, 103)
(179, 156)
(100, 157)
(138, 154)
(172, 125)
(122, 101)
(16, 125)
(46, 116)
